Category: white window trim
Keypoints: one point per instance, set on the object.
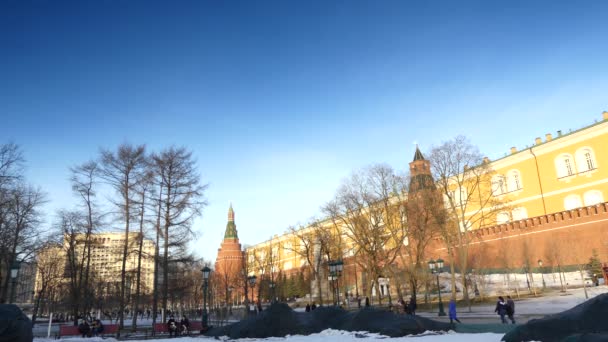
(561, 168)
(581, 160)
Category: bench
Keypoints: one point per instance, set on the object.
(72, 330)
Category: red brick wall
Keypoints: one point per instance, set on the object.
(564, 238)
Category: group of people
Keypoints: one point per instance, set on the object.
(505, 308)
(175, 330)
(408, 308)
(87, 329)
(309, 307)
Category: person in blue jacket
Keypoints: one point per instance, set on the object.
(452, 311)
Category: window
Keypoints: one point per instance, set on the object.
(572, 202)
(564, 166)
(514, 181)
(593, 197)
(502, 217)
(464, 196)
(585, 159)
(498, 185)
(519, 214)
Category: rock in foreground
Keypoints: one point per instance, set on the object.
(280, 320)
(584, 322)
(15, 326)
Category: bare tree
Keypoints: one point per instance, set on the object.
(464, 178)
(181, 200)
(11, 175)
(123, 170)
(50, 264)
(72, 227)
(143, 189)
(20, 227)
(304, 248)
(84, 178)
(362, 210)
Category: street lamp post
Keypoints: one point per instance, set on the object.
(272, 285)
(206, 272)
(230, 299)
(542, 274)
(436, 267)
(14, 273)
(251, 280)
(335, 271)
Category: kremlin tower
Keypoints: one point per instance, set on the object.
(230, 259)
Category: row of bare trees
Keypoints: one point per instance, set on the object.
(154, 196)
(20, 216)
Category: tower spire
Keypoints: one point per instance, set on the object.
(418, 155)
(230, 226)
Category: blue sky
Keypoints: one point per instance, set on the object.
(280, 100)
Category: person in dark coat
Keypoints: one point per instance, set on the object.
(413, 306)
(84, 328)
(314, 306)
(511, 309)
(97, 327)
(452, 311)
(307, 308)
(501, 309)
(366, 301)
(172, 327)
(185, 323)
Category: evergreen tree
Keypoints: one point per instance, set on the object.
(594, 267)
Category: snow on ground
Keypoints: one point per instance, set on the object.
(325, 336)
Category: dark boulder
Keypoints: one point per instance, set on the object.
(15, 326)
(584, 322)
(279, 320)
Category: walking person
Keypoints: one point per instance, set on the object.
(452, 311)
(511, 309)
(501, 309)
(413, 306)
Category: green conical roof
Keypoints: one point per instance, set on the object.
(231, 226)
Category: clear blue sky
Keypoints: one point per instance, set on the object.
(280, 100)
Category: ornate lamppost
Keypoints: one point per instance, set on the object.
(206, 272)
(15, 266)
(542, 274)
(230, 299)
(251, 280)
(335, 271)
(436, 267)
(272, 286)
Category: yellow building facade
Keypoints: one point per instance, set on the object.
(559, 172)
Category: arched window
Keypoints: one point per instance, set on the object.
(572, 202)
(514, 180)
(564, 166)
(519, 214)
(502, 217)
(593, 197)
(585, 159)
(498, 185)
